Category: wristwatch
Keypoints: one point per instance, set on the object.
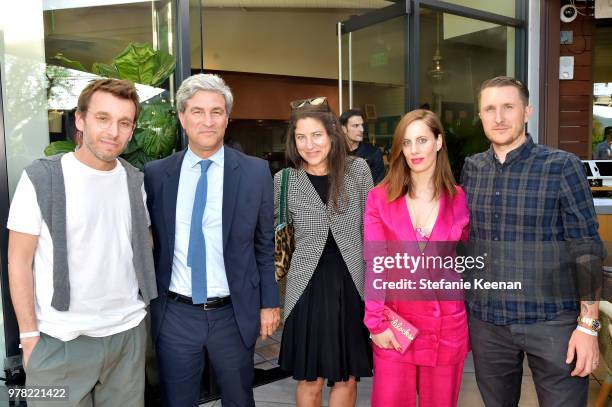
(591, 323)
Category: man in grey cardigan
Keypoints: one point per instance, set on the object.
(80, 263)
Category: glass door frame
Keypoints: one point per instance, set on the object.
(11, 329)
(180, 20)
(411, 9)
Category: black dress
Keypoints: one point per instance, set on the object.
(324, 336)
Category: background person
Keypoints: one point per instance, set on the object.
(353, 128)
(418, 201)
(323, 336)
(603, 150)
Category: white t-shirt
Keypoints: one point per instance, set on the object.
(104, 296)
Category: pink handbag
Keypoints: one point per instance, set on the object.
(403, 330)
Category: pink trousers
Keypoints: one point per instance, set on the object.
(397, 384)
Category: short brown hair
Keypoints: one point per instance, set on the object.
(501, 81)
(337, 158)
(398, 180)
(120, 88)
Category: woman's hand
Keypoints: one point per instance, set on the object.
(386, 340)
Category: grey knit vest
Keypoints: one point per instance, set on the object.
(48, 179)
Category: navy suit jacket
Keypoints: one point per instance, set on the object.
(248, 235)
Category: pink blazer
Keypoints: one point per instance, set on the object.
(443, 331)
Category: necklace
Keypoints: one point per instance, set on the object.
(421, 230)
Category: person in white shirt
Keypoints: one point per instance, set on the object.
(80, 262)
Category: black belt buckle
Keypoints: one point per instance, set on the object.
(217, 303)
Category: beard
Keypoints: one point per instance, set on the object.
(107, 157)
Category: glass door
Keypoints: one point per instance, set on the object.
(373, 70)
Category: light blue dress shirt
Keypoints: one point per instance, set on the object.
(212, 226)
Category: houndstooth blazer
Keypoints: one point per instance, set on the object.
(312, 220)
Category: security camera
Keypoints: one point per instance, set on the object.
(568, 13)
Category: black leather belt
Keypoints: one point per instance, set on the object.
(211, 302)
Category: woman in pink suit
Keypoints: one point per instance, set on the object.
(418, 202)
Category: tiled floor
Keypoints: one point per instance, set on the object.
(281, 393)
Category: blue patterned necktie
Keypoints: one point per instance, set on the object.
(196, 253)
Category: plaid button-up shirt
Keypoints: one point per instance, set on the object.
(539, 196)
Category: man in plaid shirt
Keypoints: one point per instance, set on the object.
(530, 201)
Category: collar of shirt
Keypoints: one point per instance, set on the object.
(521, 151)
(191, 159)
(357, 150)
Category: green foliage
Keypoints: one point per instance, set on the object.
(156, 133)
(463, 139)
(58, 147)
(137, 158)
(139, 63)
(105, 70)
(68, 63)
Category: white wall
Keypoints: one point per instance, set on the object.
(22, 59)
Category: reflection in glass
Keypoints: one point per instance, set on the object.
(602, 121)
(127, 41)
(457, 55)
(270, 54)
(379, 78)
(503, 7)
(602, 94)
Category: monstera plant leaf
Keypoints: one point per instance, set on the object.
(156, 132)
(131, 147)
(108, 71)
(140, 63)
(68, 63)
(138, 158)
(58, 147)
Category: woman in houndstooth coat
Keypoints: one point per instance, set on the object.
(323, 336)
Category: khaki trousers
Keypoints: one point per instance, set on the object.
(102, 372)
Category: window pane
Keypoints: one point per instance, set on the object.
(49, 62)
(504, 7)
(47, 56)
(85, 43)
(379, 78)
(457, 55)
(270, 53)
(602, 94)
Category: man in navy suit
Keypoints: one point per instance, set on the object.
(211, 211)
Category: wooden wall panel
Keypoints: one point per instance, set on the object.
(580, 26)
(583, 73)
(267, 97)
(575, 87)
(580, 43)
(574, 102)
(573, 132)
(574, 118)
(576, 96)
(577, 134)
(572, 146)
(583, 59)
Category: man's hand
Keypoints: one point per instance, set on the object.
(386, 340)
(27, 346)
(584, 347)
(270, 319)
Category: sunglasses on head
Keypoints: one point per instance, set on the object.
(318, 101)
